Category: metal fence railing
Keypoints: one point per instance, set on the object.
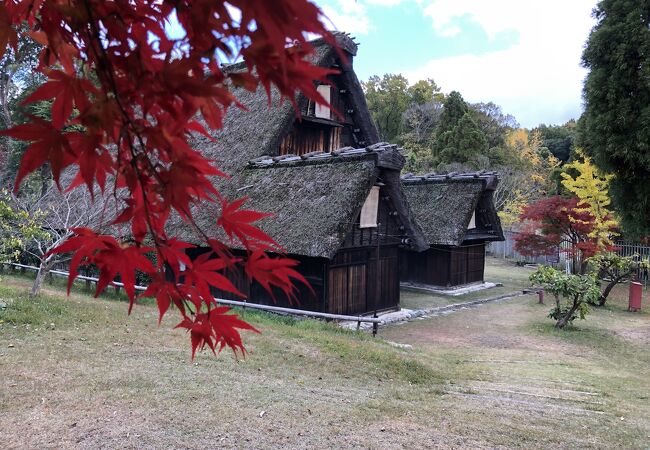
(376, 321)
(506, 249)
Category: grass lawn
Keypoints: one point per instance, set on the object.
(512, 278)
(79, 373)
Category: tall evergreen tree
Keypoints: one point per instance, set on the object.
(455, 109)
(458, 139)
(616, 121)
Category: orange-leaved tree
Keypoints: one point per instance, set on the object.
(125, 97)
(553, 221)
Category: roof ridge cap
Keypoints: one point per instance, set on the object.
(340, 154)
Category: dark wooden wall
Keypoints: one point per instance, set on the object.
(467, 264)
(389, 230)
(359, 283)
(313, 269)
(341, 129)
(444, 266)
(428, 267)
(361, 278)
(307, 137)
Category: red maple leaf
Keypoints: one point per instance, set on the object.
(215, 329)
(204, 272)
(8, 36)
(110, 256)
(67, 91)
(237, 222)
(48, 145)
(138, 93)
(275, 272)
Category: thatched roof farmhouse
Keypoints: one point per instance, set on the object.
(334, 191)
(457, 215)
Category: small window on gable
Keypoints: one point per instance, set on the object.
(323, 111)
(472, 222)
(369, 210)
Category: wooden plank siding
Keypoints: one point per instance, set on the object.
(307, 137)
(313, 269)
(311, 135)
(358, 284)
(444, 266)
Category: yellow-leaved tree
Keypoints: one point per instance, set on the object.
(592, 189)
(525, 174)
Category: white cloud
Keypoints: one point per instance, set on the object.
(346, 15)
(385, 2)
(352, 15)
(539, 79)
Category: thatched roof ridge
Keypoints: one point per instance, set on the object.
(443, 204)
(490, 177)
(383, 151)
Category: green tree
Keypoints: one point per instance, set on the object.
(390, 96)
(492, 121)
(454, 110)
(462, 143)
(559, 139)
(616, 121)
(458, 138)
(615, 269)
(576, 290)
(424, 91)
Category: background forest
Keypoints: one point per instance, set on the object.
(444, 133)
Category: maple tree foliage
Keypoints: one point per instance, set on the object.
(125, 99)
(555, 220)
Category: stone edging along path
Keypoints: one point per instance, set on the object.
(406, 315)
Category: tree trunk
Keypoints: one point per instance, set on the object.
(45, 179)
(603, 296)
(564, 320)
(43, 270)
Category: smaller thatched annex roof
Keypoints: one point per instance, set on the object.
(443, 205)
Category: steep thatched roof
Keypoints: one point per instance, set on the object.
(315, 198)
(259, 128)
(443, 206)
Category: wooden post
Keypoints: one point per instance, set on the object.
(375, 325)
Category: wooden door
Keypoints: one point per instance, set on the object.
(347, 289)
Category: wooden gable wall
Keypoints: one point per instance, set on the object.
(364, 275)
(311, 133)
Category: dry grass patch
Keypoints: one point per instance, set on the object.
(498, 376)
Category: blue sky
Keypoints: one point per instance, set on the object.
(521, 54)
